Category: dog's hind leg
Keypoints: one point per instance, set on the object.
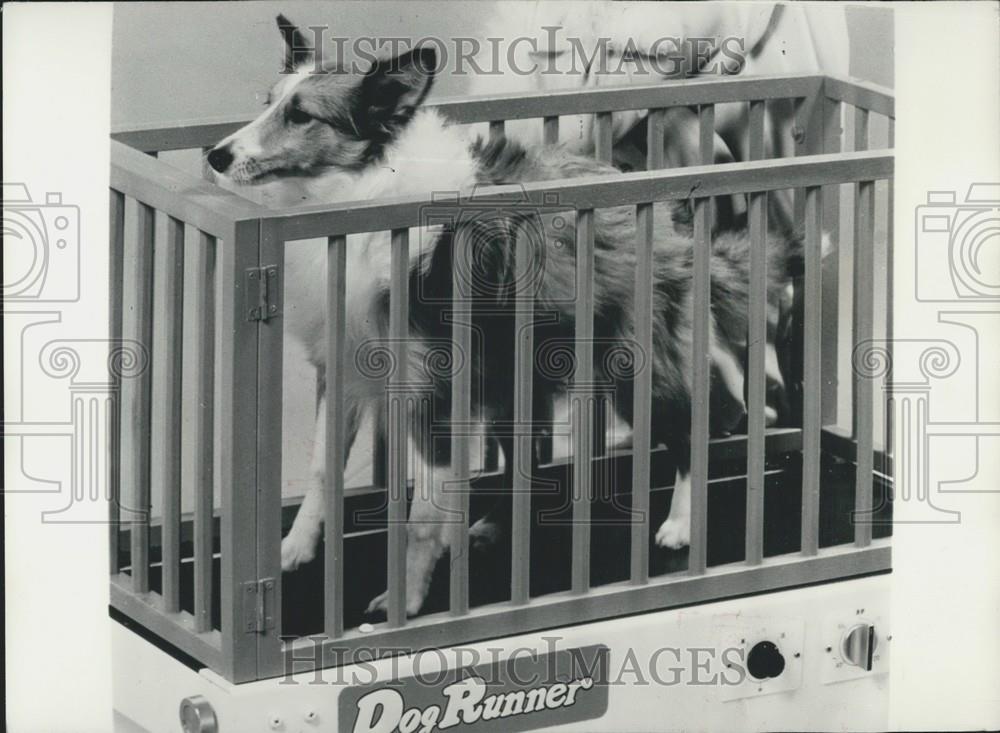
(433, 510)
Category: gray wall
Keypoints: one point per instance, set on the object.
(177, 61)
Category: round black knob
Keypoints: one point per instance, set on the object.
(765, 661)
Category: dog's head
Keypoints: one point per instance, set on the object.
(324, 118)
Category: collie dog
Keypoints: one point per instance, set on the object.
(344, 135)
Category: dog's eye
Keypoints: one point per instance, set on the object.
(297, 117)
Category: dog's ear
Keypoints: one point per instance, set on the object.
(298, 50)
(393, 89)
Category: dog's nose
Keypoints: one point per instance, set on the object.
(220, 158)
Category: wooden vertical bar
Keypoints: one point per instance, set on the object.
(888, 449)
(600, 404)
(496, 129)
(706, 152)
(706, 133)
(336, 435)
(582, 401)
(808, 137)
(860, 143)
(756, 378)
(550, 130)
(701, 365)
(654, 139)
(832, 143)
(803, 107)
(270, 397)
(116, 263)
(461, 419)
(525, 263)
(397, 414)
(757, 344)
(236, 347)
(755, 130)
(165, 427)
(890, 235)
(137, 327)
(812, 419)
(861, 118)
(864, 393)
(642, 390)
(197, 411)
(602, 137)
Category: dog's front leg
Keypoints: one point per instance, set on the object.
(299, 545)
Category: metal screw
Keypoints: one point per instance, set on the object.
(797, 655)
(829, 648)
(311, 716)
(275, 722)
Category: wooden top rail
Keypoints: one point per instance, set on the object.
(519, 105)
(862, 94)
(204, 205)
(157, 137)
(687, 92)
(352, 217)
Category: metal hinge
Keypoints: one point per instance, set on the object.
(262, 292)
(258, 605)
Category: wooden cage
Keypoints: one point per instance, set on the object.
(196, 283)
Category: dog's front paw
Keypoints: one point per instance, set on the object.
(297, 548)
(674, 533)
